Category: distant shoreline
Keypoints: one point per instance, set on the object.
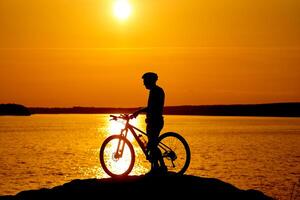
(14, 110)
(262, 110)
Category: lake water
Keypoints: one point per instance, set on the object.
(260, 153)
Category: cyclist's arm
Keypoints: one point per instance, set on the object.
(142, 110)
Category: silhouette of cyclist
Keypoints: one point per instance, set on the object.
(154, 121)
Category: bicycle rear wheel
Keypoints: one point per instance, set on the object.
(113, 161)
(175, 152)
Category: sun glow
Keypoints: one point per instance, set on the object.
(122, 9)
(115, 127)
(117, 166)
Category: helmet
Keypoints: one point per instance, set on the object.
(150, 76)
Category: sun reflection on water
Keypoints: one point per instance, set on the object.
(67, 148)
(117, 165)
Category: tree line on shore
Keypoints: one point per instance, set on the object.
(271, 109)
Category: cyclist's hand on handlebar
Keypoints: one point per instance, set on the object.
(134, 115)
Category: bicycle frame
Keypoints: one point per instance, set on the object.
(132, 129)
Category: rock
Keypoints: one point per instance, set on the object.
(144, 187)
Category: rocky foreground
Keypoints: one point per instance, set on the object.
(144, 187)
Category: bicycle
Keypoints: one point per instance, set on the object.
(117, 155)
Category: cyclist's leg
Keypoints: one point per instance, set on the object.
(152, 145)
(153, 130)
(158, 152)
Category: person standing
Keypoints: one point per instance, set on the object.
(154, 121)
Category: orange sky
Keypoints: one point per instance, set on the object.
(67, 53)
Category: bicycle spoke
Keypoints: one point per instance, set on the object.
(175, 152)
(117, 156)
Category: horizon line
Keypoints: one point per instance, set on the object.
(182, 105)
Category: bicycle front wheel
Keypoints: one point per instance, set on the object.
(175, 152)
(117, 156)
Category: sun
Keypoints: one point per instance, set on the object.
(122, 9)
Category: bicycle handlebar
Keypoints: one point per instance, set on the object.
(122, 116)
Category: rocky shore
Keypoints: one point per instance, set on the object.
(144, 187)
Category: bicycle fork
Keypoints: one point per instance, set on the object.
(121, 144)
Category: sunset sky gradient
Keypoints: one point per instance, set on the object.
(60, 53)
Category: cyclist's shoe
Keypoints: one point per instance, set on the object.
(163, 169)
